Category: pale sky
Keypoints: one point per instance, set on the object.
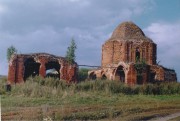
(34, 26)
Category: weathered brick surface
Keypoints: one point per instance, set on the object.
(122, 49)
(114, 51)
(16, 72)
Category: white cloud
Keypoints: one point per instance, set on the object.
(49, 25)
(166, 36)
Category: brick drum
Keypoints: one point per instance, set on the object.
(22, 66)
(120, 53)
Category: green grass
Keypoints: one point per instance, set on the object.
(175, 119)
(40, 98)
(94, 106)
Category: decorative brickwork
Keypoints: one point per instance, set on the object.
(22, 66)
(120, 53)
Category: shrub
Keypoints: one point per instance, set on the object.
(82, 74)
(3, 82)
(49, 87)
(84, 86)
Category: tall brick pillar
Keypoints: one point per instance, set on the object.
(42, 70)
(63, 71)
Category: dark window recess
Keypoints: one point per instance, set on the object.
(103, 77)
(137, 54)
(31, 68)
(92, 76)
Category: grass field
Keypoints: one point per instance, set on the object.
(175, 119)
(40, 99)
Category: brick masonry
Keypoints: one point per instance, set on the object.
(22, 66)
(119, 55)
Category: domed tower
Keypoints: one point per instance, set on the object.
(127, 44)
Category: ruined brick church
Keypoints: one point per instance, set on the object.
(128, 46)
(121, 54)
(22, 66)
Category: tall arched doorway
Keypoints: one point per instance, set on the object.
(53, 69)
(120, 75)
(31, 68)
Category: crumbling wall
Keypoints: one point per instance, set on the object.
(107, 53)
(110, 72)
(127, 44)
(18, 70)
(159, 72)
(131, 75)
(114, 51)
(163, 74)
(170, 75)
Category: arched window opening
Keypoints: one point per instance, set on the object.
(31, 68)
(52, 69)
(92, 76)
(137, 54)
(120, 75)
(103, 77)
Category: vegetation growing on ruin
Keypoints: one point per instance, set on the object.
(140, 66)
(10, 51)
(70, 53)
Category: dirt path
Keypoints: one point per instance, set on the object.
(168, 117)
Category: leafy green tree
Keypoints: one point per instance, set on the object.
(10, 51)
(70, 54)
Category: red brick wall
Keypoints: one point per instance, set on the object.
(16, 70)
(107, 53)
(114, 51)
(121, 49)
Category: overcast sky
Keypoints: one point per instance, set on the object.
(34, 26)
